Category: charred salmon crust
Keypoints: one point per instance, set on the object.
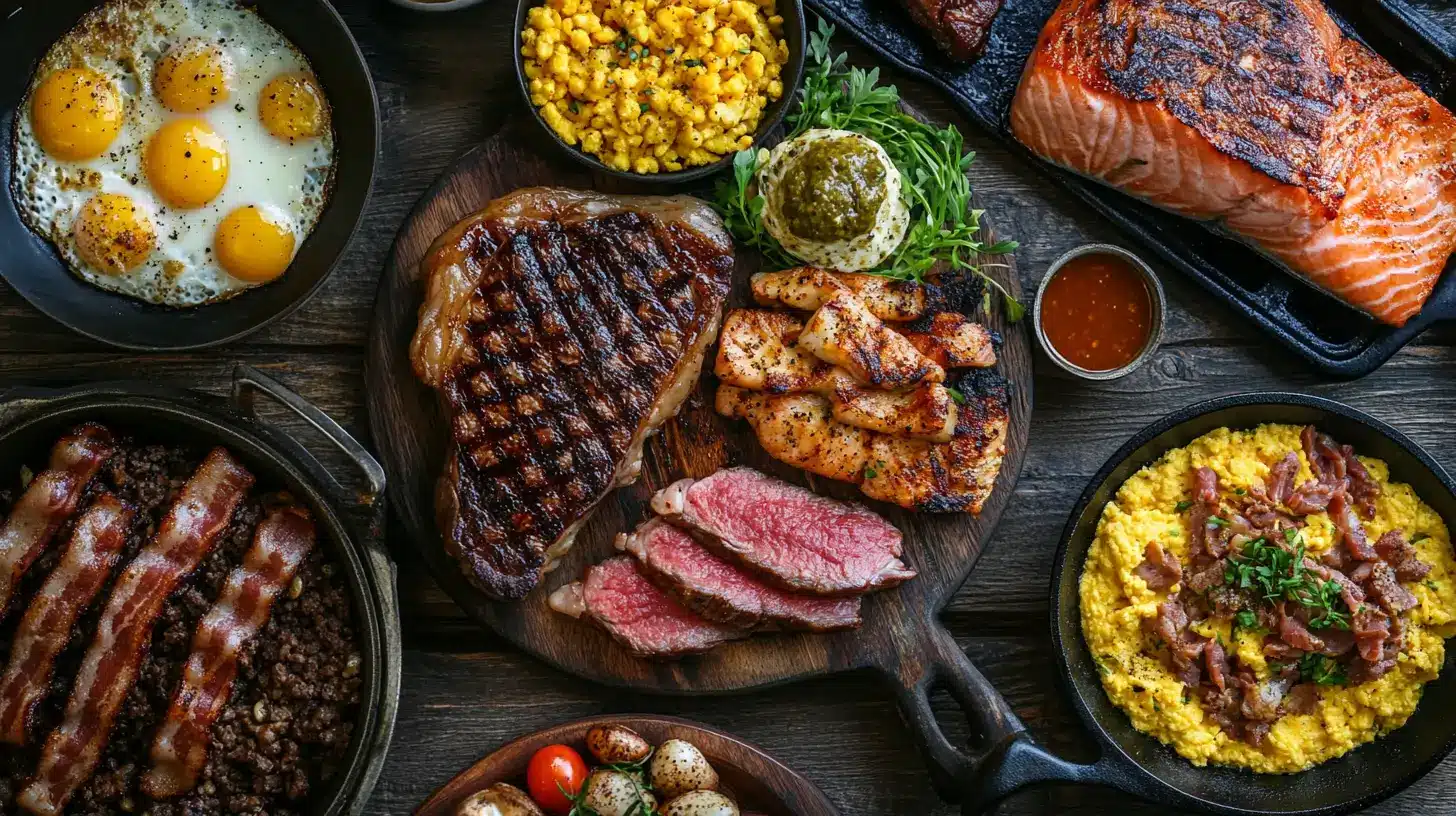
(1261, 116)
(560, 329)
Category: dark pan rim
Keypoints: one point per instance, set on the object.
(280, 456)
(361, 66)
(1110, 746)
(793, 79)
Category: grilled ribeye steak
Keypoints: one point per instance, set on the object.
(560, 328)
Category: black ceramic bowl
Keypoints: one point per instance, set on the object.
(1139, 764)
(795, 34)
(32, 266)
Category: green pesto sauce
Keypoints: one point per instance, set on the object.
(834, 190)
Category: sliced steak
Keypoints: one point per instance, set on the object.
(1352, 530)
(791, 537)
(616, 596)
(1363, 487)
(724, 592)
(560, 329)
(1280, 483)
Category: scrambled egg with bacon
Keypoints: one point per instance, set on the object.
(1115, 602)
(650, 86)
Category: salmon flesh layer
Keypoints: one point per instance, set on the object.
(1260, 115)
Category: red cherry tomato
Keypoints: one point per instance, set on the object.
(554, 769)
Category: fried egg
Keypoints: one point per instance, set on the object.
(855, 253)
(174, 151)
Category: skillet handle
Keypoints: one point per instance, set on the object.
(247, 381)
(1005, 758)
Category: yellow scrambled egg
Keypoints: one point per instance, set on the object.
(1114, 603)
(654, 85)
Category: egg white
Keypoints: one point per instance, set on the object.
(855, 254)
(125, 39)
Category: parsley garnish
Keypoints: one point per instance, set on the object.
(1182, 505)
(1419, 537)
(1217, 521)
(1317, 668)
(956, 395)
(944, 229)
(1246, 619)
(693, 63)
(642, 107)
(1278, 573)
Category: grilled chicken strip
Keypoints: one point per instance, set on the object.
(800, 430)
(758, 352)
(846, 333)
(955, 341)
(950, 477)
(808, 287)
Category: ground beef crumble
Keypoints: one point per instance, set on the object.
(285, 730)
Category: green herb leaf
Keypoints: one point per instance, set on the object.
(1246, 619)
(1217, 521)
(1317, 668)
(693, 63)
(1182, 505)
(1419, 537)
(956, 395)
(643, 107)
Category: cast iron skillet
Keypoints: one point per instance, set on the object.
(795, 34)
(31, 419)
(1010, 758)
(31, 265)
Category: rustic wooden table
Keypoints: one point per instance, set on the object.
(445, 83)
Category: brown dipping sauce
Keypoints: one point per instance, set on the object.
(1097, 312)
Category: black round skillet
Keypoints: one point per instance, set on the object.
(1010, 759)
(30, 264)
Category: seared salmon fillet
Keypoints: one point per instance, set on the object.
(1260, 115)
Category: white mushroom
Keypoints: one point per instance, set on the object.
(701, 803)
(614, 793)
(616, 744)
(679, 767)
(499, 799)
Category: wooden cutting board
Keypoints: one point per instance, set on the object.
(901, 637)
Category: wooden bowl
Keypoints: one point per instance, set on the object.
(759, 783)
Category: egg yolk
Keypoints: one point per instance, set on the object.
(112, 234)
(186, 163)
(193, 76)
(76, 113)
(252, 245)
(292, 107)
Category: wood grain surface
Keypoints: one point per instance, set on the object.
(445, 84)
(409, 424)
(755, 781)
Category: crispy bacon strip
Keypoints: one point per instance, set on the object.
(109, 669)
(48, 501)
(91, 554)
(280, 544)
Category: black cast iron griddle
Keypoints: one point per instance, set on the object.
(1320, 328)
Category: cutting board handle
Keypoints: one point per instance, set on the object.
(1003, 757)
